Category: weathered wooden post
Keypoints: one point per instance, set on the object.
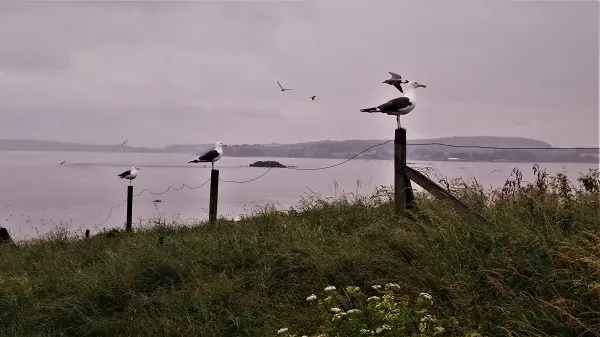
(4, 235)
(129, 207)
(87, 233)
(403, 194)
(400, 170)
(214, 195)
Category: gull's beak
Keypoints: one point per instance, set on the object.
(224, 145)
(422, 85)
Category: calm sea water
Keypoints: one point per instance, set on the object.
(37, 193)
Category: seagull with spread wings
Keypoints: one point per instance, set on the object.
(396, 81)
(282, 89)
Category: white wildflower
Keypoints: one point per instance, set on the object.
(353, 311)
(425, 295)
(366, 332)
(392, 285)
(282, 330)
(337, 317)
(376, 287)
(336, 310)
(438, 330)
(311, 297)
(373, 299)
(329, 288)
(383, 328)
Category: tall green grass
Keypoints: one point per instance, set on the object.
(534, 271)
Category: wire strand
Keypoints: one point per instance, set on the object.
(110, 213)
(340, 163)
(153, 193)
(247, 181)
(171, 188)
(507, 148)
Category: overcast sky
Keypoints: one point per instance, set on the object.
(159, 73)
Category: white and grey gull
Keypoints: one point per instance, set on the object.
(130, 174)
(401, 105)
(211, 156)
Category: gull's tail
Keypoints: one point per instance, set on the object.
(369, 110)
(194, 161)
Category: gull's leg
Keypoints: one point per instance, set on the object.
(398, 121)
(212, 163)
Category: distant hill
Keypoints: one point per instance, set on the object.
(485, 141)
(47, 145)
(418, 149)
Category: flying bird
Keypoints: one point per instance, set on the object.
(313, 97)
(64, 161)
(130, 174)
(282, 89)
(396, 81)
(211, 156)
(124, 142)
(401, 105)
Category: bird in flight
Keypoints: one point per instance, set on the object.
(396, 80)
(282, 89)
(313, 97)
(124, 142)
(64, 161)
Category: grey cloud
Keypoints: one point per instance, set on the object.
(72, 71)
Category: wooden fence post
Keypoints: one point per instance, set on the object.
(129, 207)
(400, 179)
(4, 235)
(87, 233)
(214, 195)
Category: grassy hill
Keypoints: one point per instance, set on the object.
(535, 271)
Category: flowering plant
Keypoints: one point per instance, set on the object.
(387, 313)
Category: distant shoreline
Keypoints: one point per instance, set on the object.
(321, 157)
(488, 149)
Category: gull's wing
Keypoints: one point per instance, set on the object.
(210, 155)
(395, 76)
(279, 85)
(395, 104)
(398, 86)
(125, 174)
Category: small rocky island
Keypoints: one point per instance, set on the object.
(267, 163)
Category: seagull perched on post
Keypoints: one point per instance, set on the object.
(211, 156)
(396, 80)
(282, 87)
(400, 105)
(130, 174)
